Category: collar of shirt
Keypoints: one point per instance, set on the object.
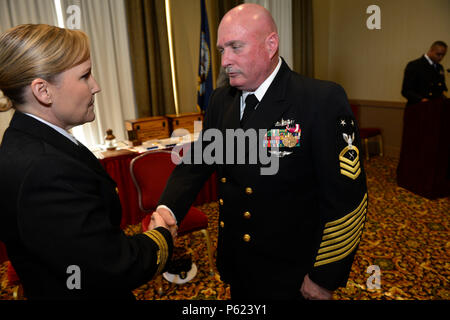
(428, 59)
(262, 89)
(58, 129)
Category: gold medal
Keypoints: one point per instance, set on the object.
(289, 140)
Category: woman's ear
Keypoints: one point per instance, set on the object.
(41, 91)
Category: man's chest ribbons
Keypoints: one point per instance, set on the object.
(349, 162)
(285, 136)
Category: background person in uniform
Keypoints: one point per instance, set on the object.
(293, 234)
(424, 78)
(58, 207)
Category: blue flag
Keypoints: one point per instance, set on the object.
(204, 78)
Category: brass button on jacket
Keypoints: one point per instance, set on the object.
(221, 202)
(248, 190)
(222, 224)
(246, 237)
(247, 215)
(223, 180)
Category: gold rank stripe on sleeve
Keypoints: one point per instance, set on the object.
(349, 168)
(163, 252)
(341, 236)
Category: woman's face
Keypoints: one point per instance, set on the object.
(73, 96)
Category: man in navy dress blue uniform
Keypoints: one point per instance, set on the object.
(293, 234)
(424, 78)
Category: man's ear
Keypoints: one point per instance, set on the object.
(272, 43)
(41, 91)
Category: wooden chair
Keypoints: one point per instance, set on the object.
(368, 133)
(12, 280)
(150, 172)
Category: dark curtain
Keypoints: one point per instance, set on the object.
(302, 34)
(149, 50)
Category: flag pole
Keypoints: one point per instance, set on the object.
(171, 53)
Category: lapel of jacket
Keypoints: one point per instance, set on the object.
(428, 66)
(273, 104)
(232, 110)
(41, 131)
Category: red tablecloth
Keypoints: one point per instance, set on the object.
(118, 167)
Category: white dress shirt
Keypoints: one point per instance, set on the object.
(262, 89)
(428, 59)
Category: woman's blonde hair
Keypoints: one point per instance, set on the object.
(31, 51)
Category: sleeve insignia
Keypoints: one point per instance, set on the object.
(162, 254)
(349, 156)
(341, 236)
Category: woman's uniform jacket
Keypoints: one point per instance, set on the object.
(60, 220)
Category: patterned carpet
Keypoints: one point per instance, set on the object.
(406, 235)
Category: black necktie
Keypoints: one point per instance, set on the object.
(250, 103)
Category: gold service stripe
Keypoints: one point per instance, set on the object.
(342, 238)
(335, 222)
(337, 258)
(329, 229)
(345, 230)
(341, 244)
(335, 252)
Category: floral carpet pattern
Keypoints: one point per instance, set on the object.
(405, 235)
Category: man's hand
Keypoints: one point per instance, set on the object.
(167, 219)
(312, 291)
(157, 221)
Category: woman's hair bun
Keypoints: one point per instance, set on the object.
(5, 102)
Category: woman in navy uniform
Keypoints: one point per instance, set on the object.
(292, 234)
(60, 212)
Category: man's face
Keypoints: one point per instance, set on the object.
(245, 57)
(437, 53)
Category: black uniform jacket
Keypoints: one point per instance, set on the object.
(422, 80)
(306, 218)
(60, 220)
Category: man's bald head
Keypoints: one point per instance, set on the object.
(256, 18)
(248, 41)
